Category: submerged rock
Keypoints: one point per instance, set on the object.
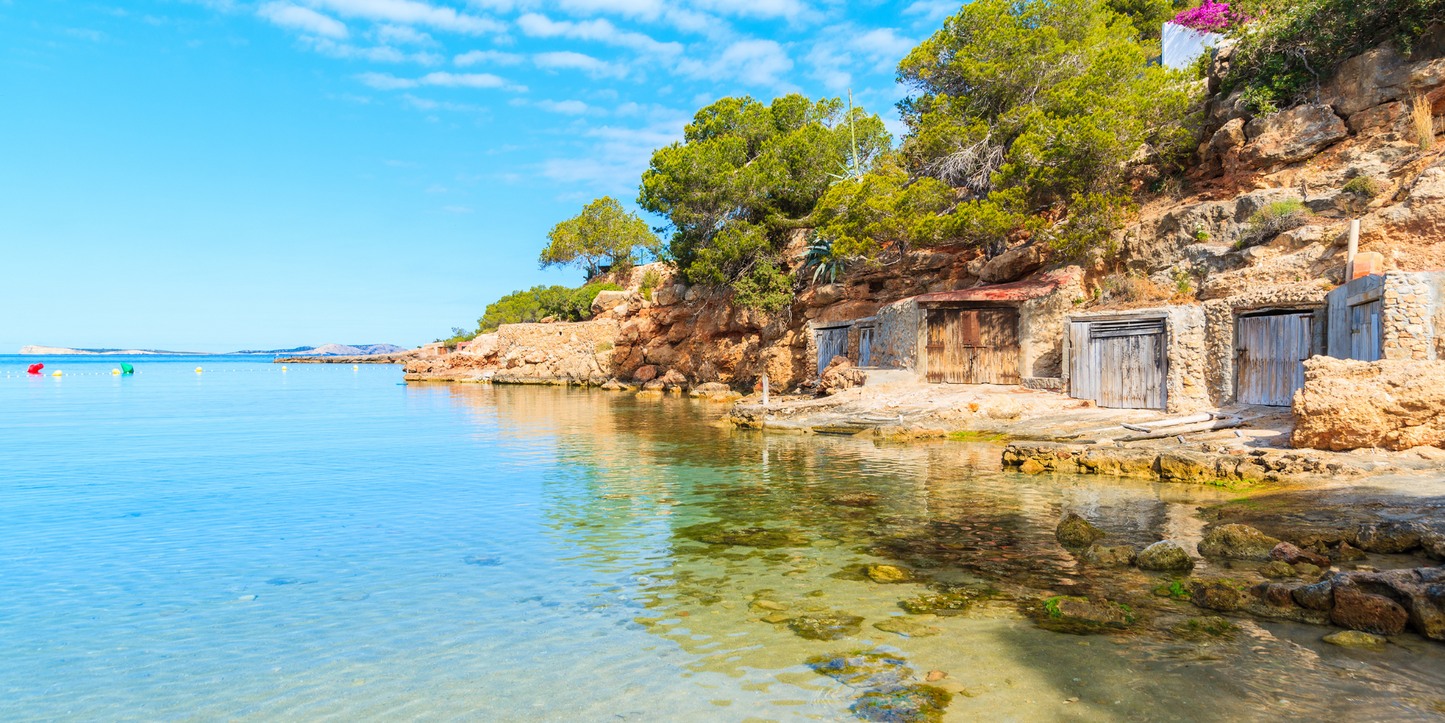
(856, 499)
(1075, 531)
(1081, 615)
(887, 573)
(826, 626)
(1356, 639)
(482, 560)
(944, 600)
(916, 703)
(1165, 556)
(1103, 556)
(1239, 542)
(1277, 569)
(1224, 596)
(714, 533)
(905, 627)
(1196, 628)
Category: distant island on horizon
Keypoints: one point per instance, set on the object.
(323, 350)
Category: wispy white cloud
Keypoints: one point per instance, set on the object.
(387, 81)
(617, 157)
(307, 20)
(411, 12)
(932, 11)
(753, 61)
(402, 34)
(790, 9)
(456, 209)
(429, 104)
(565, 107)
(494, 57)
(599, 30)
(567, 59)
(377, 54)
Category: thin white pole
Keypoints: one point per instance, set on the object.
(1352, 249)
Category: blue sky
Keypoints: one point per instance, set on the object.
(220, 175)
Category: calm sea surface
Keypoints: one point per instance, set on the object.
(249, 543)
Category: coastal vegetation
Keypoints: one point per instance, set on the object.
(603, 234)
(540, 302)
(1287, 48)
(744, 175)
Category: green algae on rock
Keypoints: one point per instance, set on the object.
(1196, 628)
(1082, 616)
(903, 626)
(917, 703)
(826, 625)
(1075, 531)
(887, 573)
(1356, 639)
(1165, 556)
(944, 600)
(719, 533)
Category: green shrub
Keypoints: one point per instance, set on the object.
(1274, 219)
(540, 302)
(650, 281)
(1365, 186)
(764, 286)
(1292, 46)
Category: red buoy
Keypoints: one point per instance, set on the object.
(35, 368)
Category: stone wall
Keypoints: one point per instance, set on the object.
(1043, 324)
(1219, 323)
(1412, 302)
(895, 337)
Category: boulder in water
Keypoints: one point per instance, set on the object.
(1075, 531)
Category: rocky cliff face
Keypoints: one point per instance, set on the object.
(1391, 404)
(1352, 154)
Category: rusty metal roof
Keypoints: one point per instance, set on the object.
(1033, 288)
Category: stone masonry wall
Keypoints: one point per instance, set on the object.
(1219, 316)
(895, 339)
(1043, 324)
(1187, 386)
(1412, 300)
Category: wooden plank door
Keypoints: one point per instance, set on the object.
(1365, 331)
(831, 343)
(1271, 355)
(973, 346)
(865, 346)
(940, 328)
(1119, 364)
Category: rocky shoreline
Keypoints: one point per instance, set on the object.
(398, 358)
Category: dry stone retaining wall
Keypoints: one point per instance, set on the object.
(1412, 302)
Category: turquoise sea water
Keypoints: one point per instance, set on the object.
(323, 543)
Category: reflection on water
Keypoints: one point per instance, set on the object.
(341, 547)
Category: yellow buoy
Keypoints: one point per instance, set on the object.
(198, 370)
(115, 371)
(354, 366)
(56, 374)
(283, 368)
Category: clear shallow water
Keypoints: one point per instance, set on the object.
(325, 544)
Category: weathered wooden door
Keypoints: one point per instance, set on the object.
(831, 343)
(973, 346)
(1120, 364)
(1365, 331)
(865, 346)
(1270, 357)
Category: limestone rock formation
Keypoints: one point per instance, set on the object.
(1165, 556)
(1390, 404)
(1239, 542)
(1105, 556)
(1013, 264)
(1291, 135)
(840, 374)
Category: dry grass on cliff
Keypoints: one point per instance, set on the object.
(1423, 121)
